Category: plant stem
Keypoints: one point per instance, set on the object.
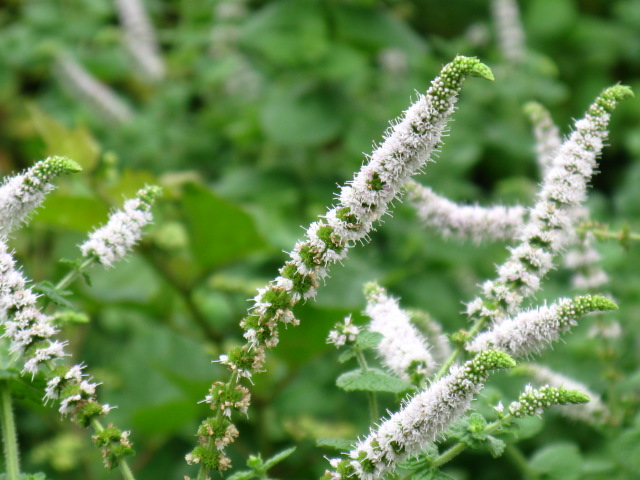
(74, 273)
(519, 460)
(9, 436)
(373, 401)
(127, 474)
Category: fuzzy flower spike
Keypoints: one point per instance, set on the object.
(532, 330)
(408, 145)
(422, 419)
(403, 349)
(550, 220)
(112, 242)
(23, 193)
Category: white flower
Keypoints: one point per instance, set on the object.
(465, 221)
(113, 241)
(140, 38)
(79, 82)
(511, 38)
(548, 229)
(532, 330)
(422, 418)
(403, 349)
(546, 133)
(343, 332)
(408, 145)
(21, 194)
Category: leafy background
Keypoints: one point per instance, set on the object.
(258, 118)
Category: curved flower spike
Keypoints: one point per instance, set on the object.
(546, 133)
(112, 242)
(547, 231)
(422, 418)
(533, 330)
(23, 193)
(533, 401)
(465, 221)
(403, 349)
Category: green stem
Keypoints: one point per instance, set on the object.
(73, 274)
(602, 234)
(9, 436)
(477, 326)
(127, 474)
(520, 462)
(373, 400)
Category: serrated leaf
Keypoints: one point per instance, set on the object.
(496, 446)
(339, 444)
(242, 475)
(372, 380)
(368, 339)
(346, 355)
(278, 457)
(48, 289)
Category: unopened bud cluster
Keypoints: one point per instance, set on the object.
(534, 401)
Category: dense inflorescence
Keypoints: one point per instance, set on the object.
(534, 401)
(421, 419)
(407, 147)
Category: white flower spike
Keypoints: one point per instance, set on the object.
(21, 194)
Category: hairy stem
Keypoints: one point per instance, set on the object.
(9, 436)
(373, 401)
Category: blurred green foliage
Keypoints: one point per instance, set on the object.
(259, 117)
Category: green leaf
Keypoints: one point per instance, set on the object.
(77, 144)
(220, 232)
(347, 355)
(372, 380)
(560, 461)
(242, 475)
(80, 214)
(302, 114)
(496, 446)
(339, 444)
(368, 339)
(48, 289)
(278, 457)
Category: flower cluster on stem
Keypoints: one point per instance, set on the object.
(465, 221)
(114, 240)
(80, 83)
(422, 418)
(511, 38)
(21, 194)
(532, 330)
(407, 147)
(546, 134)
(31, 333)
(403, 349)
(550, 220)
(140, 39)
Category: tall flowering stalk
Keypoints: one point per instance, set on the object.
(550, 219)
(79, 82)
(420, 421)
(465, 221)
(511, 37)
(533, 401)
(21, 194)
(113, 241)
(140, 39)
(546, 134)
(408, 145)
(403, 349)
(532, 330)
(31, 335)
